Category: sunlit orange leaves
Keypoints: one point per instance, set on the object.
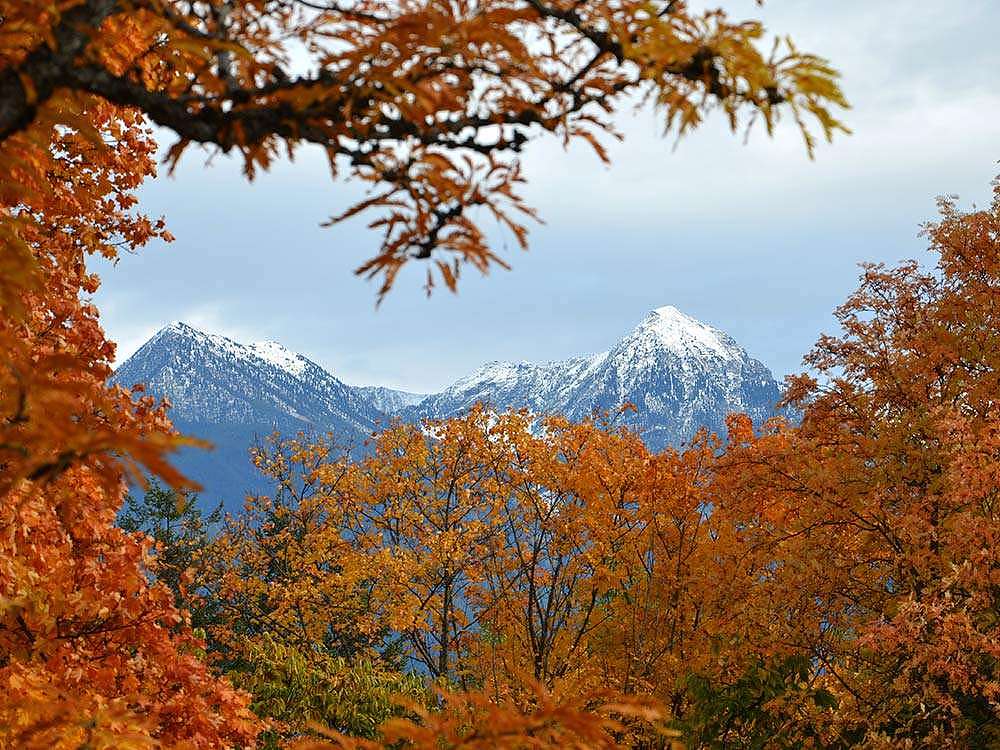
(90, 651)
(597, 720)
(501, 550)
(876, 519)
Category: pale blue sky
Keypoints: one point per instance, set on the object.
(755, 238)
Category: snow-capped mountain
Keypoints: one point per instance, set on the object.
(213, 379)
(234, 395)
(680, 373)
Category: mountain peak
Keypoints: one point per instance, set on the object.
(231, 393)
(180, 327)
(685, 335)
(680, 373)
(187, 331)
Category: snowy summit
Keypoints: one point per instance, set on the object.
(686, 336)
(680, 373)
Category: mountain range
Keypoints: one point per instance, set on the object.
(680, 373)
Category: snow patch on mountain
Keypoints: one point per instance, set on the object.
(389, 400)
(212, 379)
(279, 356)
(686, 336)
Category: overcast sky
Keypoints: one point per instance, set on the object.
(754, 239)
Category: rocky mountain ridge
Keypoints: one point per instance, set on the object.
(680, 373)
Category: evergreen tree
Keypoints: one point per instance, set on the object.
(181, 533)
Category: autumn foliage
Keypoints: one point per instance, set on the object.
(427, 101)
(91, 654)
(885, 498)
(495, 580)
(827, 583)
(474, 721)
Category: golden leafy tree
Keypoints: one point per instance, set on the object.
(280, 570)
(679, 596)
(90, 652)
(428, 102)
(592, 720)
(567, 514)
(298, 619)
(423, 511)
(506, 553)
(874, 523)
